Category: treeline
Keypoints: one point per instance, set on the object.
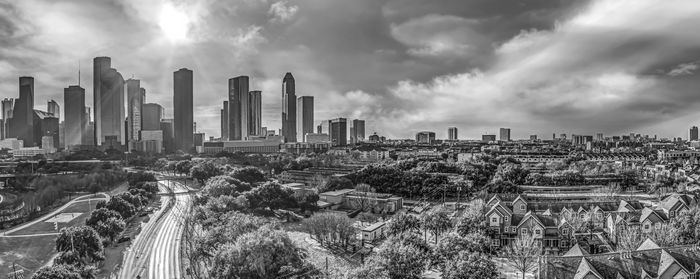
(50, 189)
(226, 236)
(81, 248)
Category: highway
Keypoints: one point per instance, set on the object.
(155, 253)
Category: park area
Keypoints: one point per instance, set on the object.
(33, 246)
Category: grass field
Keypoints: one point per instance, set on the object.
(48, 227)
(29, 252)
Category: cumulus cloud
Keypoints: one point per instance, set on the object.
(438, 35)
(282, 11)
(684, 69)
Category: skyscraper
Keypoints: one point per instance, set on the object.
(184, 121)
(7, 105)
(238, 108)
(425, 137)
(108, 88)
(23, 113)
(504, 134)
(357, 131)
(74, 123)
(305, 117)
(339, 131)
(255, 112)
(224, 122)
(289, 109)
(693, 135)
(53, 108)
(134, 104)
(151, 115)
(452, 133)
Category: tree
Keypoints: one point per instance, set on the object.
(136, 177)
(110, 228)
(183, 166)
(512, 173)
(630, 178)
(523, 253)
(629, 238)
(224, 185)
(452, 244)
(136, 201)
(121, 206)
(100, 215)
(472, 219)
(251, 175)
(260, 254)
(470, 265)
(365, 199)
(396, 258)
(330, 228)
(435, 220)
(271, 195)
(57, 272)
(83, 241)
(308, 201)
(687, 225)
(203, 170)
(336, 183)
(401, 223)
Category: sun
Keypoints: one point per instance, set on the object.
(174, 23)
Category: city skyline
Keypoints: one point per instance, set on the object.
(418, 59)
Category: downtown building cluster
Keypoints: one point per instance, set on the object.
(121, 119)
(242, 130)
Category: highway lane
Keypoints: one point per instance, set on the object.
(155, 253)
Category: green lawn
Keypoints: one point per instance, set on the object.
(29, 252)
(44, 227)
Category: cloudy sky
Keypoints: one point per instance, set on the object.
(537, 66)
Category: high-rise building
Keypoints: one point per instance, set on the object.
(504, 134)
(134, 97)
(488, 138)
(182, 110)
(238, 108)
(289, 109)
(45, 125)
(108, 88)
(693, 135)
(22, 124)
(88, 128)
(53, 108)
(452, 133)
(425, 137)
(338, 131)
(7, 105)
(74, 123)
(357, 131)
(166, 125)
(151, 115)
(255, 113)
(305, 117)
(224, 121)
(533, 137)
(599, 136)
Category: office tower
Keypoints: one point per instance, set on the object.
(108, 89)
(425, 137)
(224, 121)
(693, 133)
(45, 124)
(88, 128)
(238, 108)
(255, 113)
(151, 115)
(533, 137)
(357, 131)
(452, 133)
(319, 129)
(289, 109)
(7, 105)
(74, 122)
(488, 138)
(305, 117)
(183, 124)
(338, 131)
(166, 125)
(134, 102)
(599, 136)
(504, 134)
(22, 124)
(53, 108)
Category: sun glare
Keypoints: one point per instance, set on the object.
(174, 23)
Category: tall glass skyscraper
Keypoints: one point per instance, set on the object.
(135, 107)
(74, 124)
(23, 113)
(255, 113)
(182, 109)
(305, 117)
(289, 109)
(238, 111)
(108, 88)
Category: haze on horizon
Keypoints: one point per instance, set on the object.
(538, 67)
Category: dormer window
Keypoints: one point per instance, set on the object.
(505, 219)
(522, 207)
(494, 220)
(523, 231)
(565, 231)
(671, 213)
(538, 232)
